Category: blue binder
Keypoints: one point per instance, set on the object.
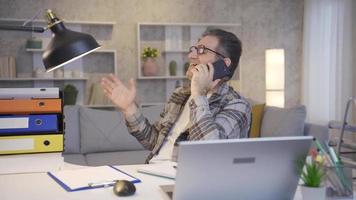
(19, 124)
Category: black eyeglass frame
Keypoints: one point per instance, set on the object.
(201, 50)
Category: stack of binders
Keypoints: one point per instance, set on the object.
(31, 120)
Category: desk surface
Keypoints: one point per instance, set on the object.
(38, 185)
(41, 186)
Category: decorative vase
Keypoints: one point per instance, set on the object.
(150, 67)
(313, 193)
(173, 68)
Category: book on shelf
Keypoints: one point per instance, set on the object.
(7, 67)
(97, 96)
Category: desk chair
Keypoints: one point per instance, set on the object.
(350, 146)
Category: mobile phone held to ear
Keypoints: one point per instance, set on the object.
(220, 70)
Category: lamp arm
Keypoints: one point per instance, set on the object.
(23, 28)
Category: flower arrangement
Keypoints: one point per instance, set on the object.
(313, 171)
(149, 52)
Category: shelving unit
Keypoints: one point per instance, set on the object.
(172, 41)
(89, 69)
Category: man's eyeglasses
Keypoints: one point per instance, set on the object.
(201, 49)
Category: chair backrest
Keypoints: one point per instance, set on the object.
(91, 130)
(351, 103)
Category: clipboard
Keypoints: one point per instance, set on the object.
(90, 178)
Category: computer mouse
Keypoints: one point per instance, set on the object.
(124, 188)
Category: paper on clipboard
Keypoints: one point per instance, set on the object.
(167, 170)
(81, 179)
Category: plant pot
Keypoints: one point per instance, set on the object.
(313, 193)
(70, 94)
(70, 97)
(150, 67)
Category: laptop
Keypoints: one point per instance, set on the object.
(255, 168)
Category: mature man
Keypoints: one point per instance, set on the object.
(205, 109)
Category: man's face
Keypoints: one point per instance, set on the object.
(210, 42)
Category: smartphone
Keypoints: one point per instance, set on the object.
(220, 70)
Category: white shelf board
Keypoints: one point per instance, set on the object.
(43, 79)
(161, 77)
(187, 24)
(107, 23)
(176, 51)
(97, 51)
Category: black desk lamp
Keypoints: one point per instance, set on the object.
(65, 45)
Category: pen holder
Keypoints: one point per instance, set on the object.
(339, 182)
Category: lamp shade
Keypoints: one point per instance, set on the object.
(66, 46)
(275, 65)
(275, 69)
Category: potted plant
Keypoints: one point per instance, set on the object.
(149, 62)
(312, 172)
(70, 94)
(173, 68)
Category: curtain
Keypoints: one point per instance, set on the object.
(327, 59)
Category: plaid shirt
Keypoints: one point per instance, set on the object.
(225, 115)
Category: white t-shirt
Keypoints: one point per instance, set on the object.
(165, 153)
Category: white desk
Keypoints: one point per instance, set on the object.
(39, 185)
(34, 183)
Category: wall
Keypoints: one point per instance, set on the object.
(354, 56)
(265, 24)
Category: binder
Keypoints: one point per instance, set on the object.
(29, 93)
(28, 106)
(31, 144)
(17, 124)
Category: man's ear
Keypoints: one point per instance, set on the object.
(227, 61)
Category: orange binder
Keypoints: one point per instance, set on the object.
(26, 106)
